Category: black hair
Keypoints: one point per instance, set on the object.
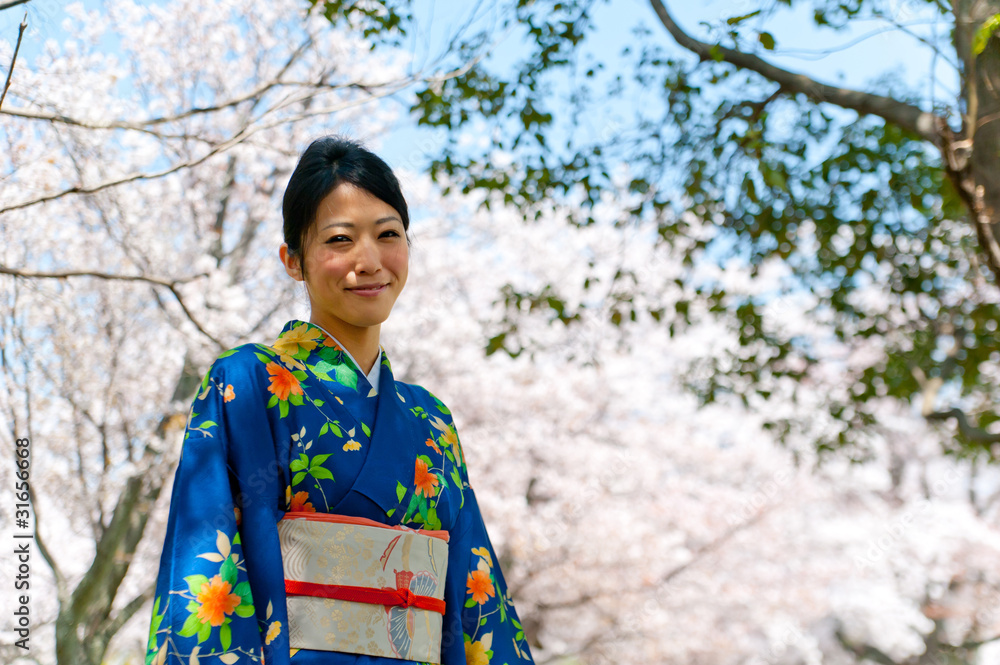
(327, 163)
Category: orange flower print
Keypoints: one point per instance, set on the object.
(480, 586)
(272, 632)
(475, 654)
(229, 395)
(300, 503)
(283, 382)
(352, 445)
(430, 442)
(425, 481)
(216, 601)
(238, 514)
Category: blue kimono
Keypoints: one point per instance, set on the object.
(295, 426)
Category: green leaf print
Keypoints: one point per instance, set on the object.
(226, 637)
(245, 611)
(228, 571)
(191, 626)
(204, 632)
(366, 430)
(346, 376)
(243, 591)
(322, 370)
(320, 473)
(400, 491)
(194, 583)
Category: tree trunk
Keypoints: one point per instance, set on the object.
(973, 159)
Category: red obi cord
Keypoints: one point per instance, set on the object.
(359, 594)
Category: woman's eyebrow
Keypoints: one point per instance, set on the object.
(351, 225)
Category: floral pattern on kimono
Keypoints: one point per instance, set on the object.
(295, 426)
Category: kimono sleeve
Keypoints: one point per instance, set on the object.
(203, 602)
(485, 628)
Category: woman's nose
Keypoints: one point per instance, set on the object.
(367, 259)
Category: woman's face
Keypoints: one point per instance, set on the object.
(356, 260)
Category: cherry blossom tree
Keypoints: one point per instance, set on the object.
(143, 162)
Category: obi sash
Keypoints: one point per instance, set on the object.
(357, 586)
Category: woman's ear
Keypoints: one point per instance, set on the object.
(291, 261)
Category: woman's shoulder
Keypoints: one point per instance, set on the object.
(418, 396)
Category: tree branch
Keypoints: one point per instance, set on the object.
(62, 591)
(13, 58)
(968, 430)
(13, 3)
(907, 116)
(113, 625)
(169, 285)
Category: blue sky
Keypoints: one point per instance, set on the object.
(871, 54)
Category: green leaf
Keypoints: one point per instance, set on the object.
(204, 632)
(323, 368)
(194, 583)
(984, 33)
(318, 460)
(226, 354)
(263, 358)
(366, 430)
(736, 20)
(228, 571)
(400, 491)
(283, 408)
(191, 626)
(470, 602)
(297, 465)
(208, 423)
(298, 477)
(245, 610)
(243, 591)
(225, 637)
(346, 376)
(271, 402)
(324, 429)
(766, 40)
(321, 473)
(716, 53)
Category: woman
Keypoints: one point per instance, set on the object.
(299, 454)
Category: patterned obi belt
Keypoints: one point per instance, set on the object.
(357, 586)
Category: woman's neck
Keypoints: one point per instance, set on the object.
(361, 342)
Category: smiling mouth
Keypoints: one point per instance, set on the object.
(368, 289)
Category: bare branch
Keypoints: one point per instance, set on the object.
(169, 285)
(970, 431)
(12, 3)
(13, 58)
(113, 625)
(62, 591)
(100, 275)
(92, 189)
(907, 116)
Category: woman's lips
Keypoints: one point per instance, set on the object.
(369, 290)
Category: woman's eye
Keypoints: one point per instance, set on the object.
(389, 234)
(334, 239)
